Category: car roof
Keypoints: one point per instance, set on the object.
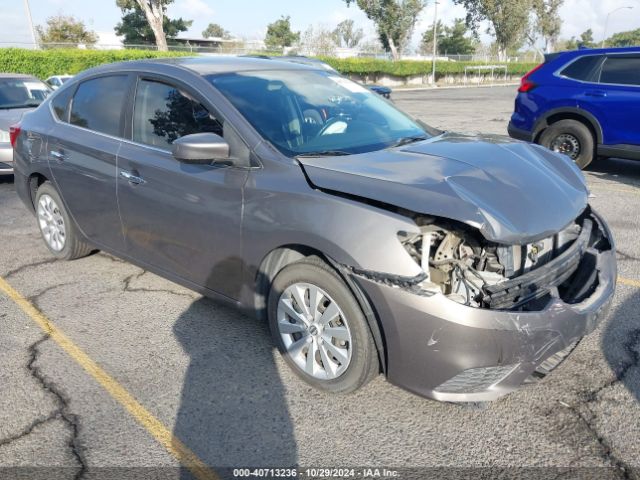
(599, 51)
(207, 65)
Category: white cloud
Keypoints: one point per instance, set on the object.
(191, 8)
(579, 15)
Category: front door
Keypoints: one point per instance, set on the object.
(183, 219)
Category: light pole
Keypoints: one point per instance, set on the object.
(435, 44)
(30, 21)
(606, 23)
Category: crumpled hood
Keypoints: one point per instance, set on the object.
(11, 116)
(512, 191)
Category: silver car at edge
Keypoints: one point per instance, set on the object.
(460, 266)
(19, 94)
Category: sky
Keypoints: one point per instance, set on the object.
(249, 18)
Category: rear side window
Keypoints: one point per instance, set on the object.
(60, 104)
(583, 68)
(98, 104)
(162, 114)
(621, 70)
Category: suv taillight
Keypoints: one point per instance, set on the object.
(14, 132)
(526, 84)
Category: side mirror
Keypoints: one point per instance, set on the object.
(200, 148)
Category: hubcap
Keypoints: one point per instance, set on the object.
(51, 223)
(314, 331)
(566, 144)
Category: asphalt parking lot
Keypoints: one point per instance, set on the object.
(213, 386)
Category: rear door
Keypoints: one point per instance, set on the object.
(615, 99)
(82, 151)
(181, 218)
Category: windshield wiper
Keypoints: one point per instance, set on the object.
(407, 140)
(323, 153)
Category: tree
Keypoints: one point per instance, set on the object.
(630, 38)
(144, 21)
(318, 41)
(66, 29)
(346, 35)
(452, 40)
(279, 33)
(395, 21)
(548, 22)
(426, 43)
(509, 20)
(216, 31)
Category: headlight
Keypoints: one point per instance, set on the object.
(4, 137)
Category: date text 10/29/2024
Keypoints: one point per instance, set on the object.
(315, 472)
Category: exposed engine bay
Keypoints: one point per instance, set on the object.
(469, 270)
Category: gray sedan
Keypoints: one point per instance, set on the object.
(459, 266)
(19, 94)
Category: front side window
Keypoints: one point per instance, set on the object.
(316, 112)
(22, 93)
(98, 104)
(162, 114)
(621, 71)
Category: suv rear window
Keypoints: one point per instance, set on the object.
(621, 70)
(98, 104)
(583, 68)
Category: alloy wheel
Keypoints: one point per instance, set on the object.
(51, 223)
(315, 331)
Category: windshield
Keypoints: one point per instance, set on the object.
(22, 92)
(307, 112)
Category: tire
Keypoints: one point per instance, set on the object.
(562, 137)
(59, 232)
(352, 337)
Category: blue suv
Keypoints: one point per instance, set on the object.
(583, 103)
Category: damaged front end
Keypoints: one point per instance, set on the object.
(459, 263)
(483, 317)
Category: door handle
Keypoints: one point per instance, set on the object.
(131, 178)
(58, 155)
(596, 93)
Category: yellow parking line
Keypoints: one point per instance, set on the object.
(629, 282)
(154, 426)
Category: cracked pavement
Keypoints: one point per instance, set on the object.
(210, 374)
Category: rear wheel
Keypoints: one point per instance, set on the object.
(59, 233)
(571, 138)
(320, 329)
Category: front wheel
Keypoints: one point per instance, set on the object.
(571, 138)
(320, 329)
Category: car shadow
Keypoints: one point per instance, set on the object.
(233, 411)
(626, 172)
(621, 344)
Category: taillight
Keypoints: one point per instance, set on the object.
(14, 132)
(526, 85)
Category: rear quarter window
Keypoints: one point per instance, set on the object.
(60, 104)
(98, 104)
(584, 68)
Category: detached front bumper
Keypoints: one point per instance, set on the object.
(6, 159)
(448, 351)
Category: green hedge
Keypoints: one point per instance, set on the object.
(405, 68)
(44, 63)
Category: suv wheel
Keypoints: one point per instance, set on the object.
(59, 233)
(571, 138)
(320, 329)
